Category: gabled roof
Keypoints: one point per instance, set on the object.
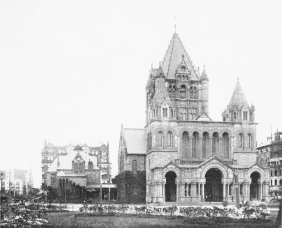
(217, 159)
(173, 59)
(135, 140)
(238, 98)
(203, 117)
(65, 161)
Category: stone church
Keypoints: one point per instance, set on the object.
(187, 156)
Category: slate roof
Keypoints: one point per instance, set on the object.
(173, 59)
(238, 98)
(65, 161)
(204, 75)
(135, 140)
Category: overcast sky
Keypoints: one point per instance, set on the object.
(74, 71)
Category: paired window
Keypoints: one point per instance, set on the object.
(193, 92)
(78, 165)
(245, 115)
(215, 143)
(164, 112)
(241, 140)
(205, 144)
(225, 145)
(195, 144)
(183, 91)
(185, 144)
(250, 141)
(169, 139)
(160, 139)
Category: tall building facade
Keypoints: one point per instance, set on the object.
(270, 155)
(189, 157)
(19, 181)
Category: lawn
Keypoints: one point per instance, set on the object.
(62, 219)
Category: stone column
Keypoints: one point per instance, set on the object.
(203, 192)
(260, 185)
(224, 195)
(177, 192)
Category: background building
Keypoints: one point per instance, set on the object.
(17, 181)
(78, 173)
(50, 152)
(270, 155)
(189, 157)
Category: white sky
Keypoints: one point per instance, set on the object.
(74, 71)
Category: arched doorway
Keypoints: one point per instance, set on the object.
(254, 188)
(213, 186)
(170, 187)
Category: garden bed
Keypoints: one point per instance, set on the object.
(137, 221)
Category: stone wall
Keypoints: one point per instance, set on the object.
(140, 162)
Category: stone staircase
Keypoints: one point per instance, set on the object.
(169, 204)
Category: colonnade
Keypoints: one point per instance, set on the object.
(196, 191)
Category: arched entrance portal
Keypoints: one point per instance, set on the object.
(213, 186)
(170, 187)
(254, 188)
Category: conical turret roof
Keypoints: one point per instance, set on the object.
(238, 98)
(175, 54)
(204, 75)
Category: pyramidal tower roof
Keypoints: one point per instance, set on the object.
(238, 97)
(175, 54)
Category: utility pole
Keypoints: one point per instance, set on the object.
(1, 175)
(65, 191)
(100, 176)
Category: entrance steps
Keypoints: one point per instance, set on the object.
(169, 204)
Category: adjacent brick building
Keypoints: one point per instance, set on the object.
(189, 157)
(270, 155)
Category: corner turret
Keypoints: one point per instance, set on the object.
(238, 109)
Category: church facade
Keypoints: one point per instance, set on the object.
(189, 157)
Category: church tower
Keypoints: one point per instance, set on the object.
(243, 117)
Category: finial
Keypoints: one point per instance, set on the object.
(204, 67)
(175, 25)
(160, 64)
(238, 79)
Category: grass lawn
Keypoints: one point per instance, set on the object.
(68, 220)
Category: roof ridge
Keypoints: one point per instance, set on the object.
(133, 128)
(193, 65)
